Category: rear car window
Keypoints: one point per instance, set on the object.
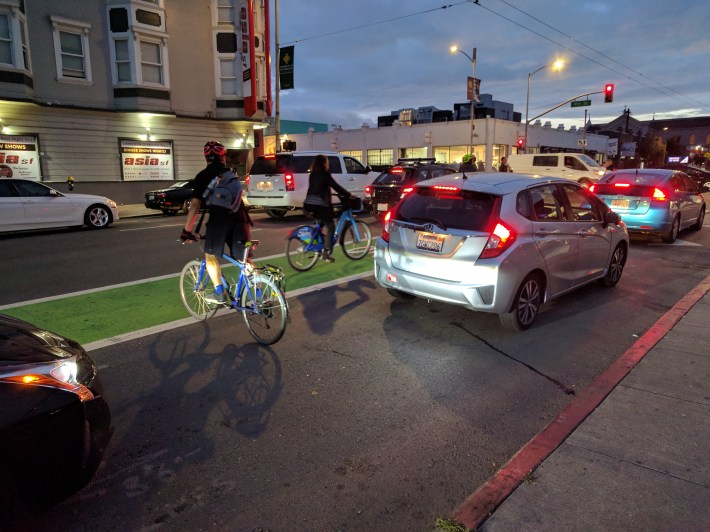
(545, 160)
(271, 165)
(636, 179)
(393, 176)
(449, 209)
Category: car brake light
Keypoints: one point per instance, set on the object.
(622, 185)
(405, 192)
(368, 191)
(446, 188)
(247, 180)
(500, 239)
(290, 183)
(659, 195)
(386, 225)
(591, 188)
(396, 170)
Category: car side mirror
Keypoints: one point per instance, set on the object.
(368, 169)
(612, 218)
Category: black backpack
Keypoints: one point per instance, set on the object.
(225, 191)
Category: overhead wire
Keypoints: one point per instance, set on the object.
(477, 2)
(370, 24)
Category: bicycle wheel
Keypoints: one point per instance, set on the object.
(356, 247)
(266, 309)
(300, 255)
(192, 290)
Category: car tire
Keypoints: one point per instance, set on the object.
(526, 305)
(399, 295)
(701, 219)
(98, 217)
(672, 233)
(616, 267)
(276, 213)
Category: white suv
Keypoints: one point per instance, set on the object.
(278, 182)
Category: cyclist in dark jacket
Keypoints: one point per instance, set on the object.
(319, 202)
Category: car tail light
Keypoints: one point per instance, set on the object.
(659, 195)
(161, 195)
(247, 180)
(622, 185)
(405, 191)
(500, 239)
(290, 183)
(396, 170)
(387, 225)
(591, 188)
(368, 191)
(446, 188)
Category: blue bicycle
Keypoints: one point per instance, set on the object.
(256, 292)
(305, 243)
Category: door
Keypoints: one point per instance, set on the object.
(12, 210)
(594, 236)
(356, 177)
(554, 237)
(45, 207)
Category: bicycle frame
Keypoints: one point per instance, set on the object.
(316, 242)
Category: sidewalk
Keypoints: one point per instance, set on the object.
(632, 452)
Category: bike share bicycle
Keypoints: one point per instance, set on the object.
(256, 292)
(305, 243)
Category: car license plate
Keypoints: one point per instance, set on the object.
(382, 207)
(622, 203)
(151, 197)
(430, 242)
(264, 186)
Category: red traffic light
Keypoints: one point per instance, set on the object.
(608, 93)
(521, 142)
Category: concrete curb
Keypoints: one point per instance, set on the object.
(479, 506)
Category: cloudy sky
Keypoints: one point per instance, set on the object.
(357, 60)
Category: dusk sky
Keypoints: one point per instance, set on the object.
(357, 60)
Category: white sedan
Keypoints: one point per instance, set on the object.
(27, 204)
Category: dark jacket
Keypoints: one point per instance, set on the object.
(205, 176)
(319, 185)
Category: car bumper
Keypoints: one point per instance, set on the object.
(490, 288)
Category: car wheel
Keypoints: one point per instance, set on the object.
(98, 217)
(616, 267)
(672, 233)
(701, 219)
(401, 296)
(275, 213)
(527, 303)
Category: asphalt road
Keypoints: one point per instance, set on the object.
(368, 415)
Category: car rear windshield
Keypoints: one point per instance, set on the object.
(629, 184)
(298, 164)
(393, 176)
(450, 208)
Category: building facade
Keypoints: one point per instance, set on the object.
(120, 94)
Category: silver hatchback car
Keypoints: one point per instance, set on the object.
(499, 242)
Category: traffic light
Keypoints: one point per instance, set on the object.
(608, 93)
(521, 143)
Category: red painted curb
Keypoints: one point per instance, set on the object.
(481, 504)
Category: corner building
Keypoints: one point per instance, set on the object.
(120, 94)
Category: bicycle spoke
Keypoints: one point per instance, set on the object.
(266, 309)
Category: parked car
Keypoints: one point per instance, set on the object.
(27, 204)
(501, 243)
(279, 182)
(55, 422)
(172, 200)
(656, 202)
(389, 187)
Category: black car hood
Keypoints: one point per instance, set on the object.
(23, 343)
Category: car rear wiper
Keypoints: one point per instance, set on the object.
(429, 220)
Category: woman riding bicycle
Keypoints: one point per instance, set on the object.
(319, 203)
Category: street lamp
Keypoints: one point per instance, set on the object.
(471, 58)
(557, 65)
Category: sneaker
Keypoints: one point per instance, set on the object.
(327, 258)
(214, 297)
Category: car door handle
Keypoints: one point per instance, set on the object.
(543, 232)
(585, 232)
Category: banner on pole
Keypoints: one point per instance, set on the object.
(286, 68)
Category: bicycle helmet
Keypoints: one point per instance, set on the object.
(214, 151)
(466, 158)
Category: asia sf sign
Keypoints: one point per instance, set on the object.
(147, 160)
(19, 156)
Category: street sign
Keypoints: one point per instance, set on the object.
(583, 103)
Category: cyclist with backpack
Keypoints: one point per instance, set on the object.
(220, 190)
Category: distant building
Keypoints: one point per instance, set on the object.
(123, 93)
